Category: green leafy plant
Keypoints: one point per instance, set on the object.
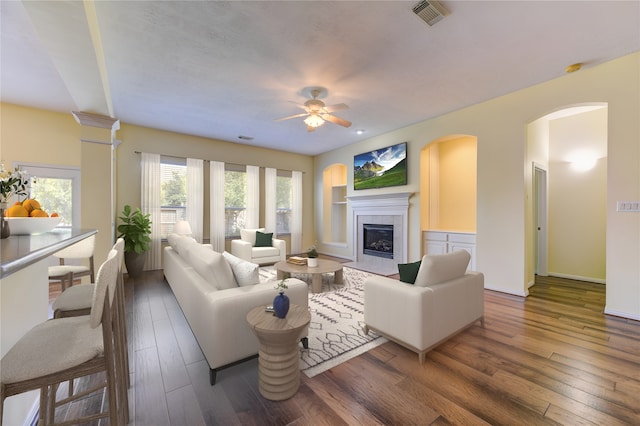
(281, 285)
(135, 230)
(312, 252)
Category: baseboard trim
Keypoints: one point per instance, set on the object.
(578, 278)
(621, 314)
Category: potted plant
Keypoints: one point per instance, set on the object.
(312, 257)
(135, 230)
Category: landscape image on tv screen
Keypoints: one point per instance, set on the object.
(381, 168)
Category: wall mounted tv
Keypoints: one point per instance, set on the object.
(381, 168)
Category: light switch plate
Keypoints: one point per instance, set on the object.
(628, 206)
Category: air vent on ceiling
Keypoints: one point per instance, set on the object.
(430, 11)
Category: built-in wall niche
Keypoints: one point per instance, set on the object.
(448, 177)
(334, 188)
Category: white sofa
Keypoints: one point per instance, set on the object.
(245, 248)
(215, 292)
(444, 300)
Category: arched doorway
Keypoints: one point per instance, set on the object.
(568, 149)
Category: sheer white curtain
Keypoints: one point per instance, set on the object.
(195, 196)
(270, 182)
(150, 203)
(296, 214)
(216, 183)
(253, 197)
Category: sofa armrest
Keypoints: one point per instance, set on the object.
(281, 245)
(241, 249)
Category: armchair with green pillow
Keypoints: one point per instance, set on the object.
(434, 299)
(258, 246)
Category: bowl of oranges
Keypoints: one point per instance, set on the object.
(28, 217)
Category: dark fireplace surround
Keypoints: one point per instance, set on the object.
(378, 240)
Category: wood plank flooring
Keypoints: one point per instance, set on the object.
(552, 358)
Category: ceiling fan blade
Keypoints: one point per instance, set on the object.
(336, 120)
(336, 107)
(292, 116)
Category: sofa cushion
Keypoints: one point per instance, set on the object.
(183, 243)
(261, 252)
(439, 268)
(172, 239)
(263, 239)
(409, 271)
(250, 235)
(211, 266)
(246, 273)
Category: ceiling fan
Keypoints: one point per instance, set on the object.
(317, 112)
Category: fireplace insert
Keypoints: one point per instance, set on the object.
(378, 240)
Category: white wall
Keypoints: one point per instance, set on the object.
(500, 126)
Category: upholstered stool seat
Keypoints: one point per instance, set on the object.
(69, 342)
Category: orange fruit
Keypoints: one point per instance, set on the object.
(54, 214)
(38, 213)
(17, 211)
(17, 203)
(31, 204)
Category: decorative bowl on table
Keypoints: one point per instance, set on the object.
(31, 225)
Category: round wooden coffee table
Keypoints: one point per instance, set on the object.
(285, 269)
(279, 355)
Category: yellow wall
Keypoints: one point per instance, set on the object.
(38, 136)
(449, 171)
(500, 125)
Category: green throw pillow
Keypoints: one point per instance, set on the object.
(409, 271)
(264, 240)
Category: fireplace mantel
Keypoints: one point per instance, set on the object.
(392, 209)
(398, 199)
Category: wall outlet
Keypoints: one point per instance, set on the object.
(628, 206)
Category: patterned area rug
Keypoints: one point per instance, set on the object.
(337, 314)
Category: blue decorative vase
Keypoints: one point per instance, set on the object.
(281, 305)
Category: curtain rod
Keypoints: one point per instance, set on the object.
(225, 162)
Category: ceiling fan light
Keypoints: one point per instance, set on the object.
(314, 121)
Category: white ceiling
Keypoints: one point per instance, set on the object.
(225, 69)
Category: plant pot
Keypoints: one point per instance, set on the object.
(281, 305)
(312, 262)
(134, 263)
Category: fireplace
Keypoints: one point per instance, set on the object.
(378, 240)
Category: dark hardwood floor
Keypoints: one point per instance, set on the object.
(553, 358)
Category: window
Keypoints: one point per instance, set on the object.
(284, 203)
(235, 199)
(173, 193)
(57, 189)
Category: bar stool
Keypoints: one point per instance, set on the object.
(67, 273)
(74, 347)
(77, 301)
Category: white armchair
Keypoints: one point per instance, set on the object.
(245, 248)
(444, 300)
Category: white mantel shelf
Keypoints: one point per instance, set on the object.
(378, 200)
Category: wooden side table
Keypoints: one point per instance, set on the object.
(279, 355)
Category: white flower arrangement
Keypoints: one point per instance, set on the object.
(281, 285)
(12, 183)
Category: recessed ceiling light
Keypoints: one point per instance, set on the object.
(359, 132)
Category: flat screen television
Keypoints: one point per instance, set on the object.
(381, 168)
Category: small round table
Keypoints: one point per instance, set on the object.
(284, 270)
(279, 355)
